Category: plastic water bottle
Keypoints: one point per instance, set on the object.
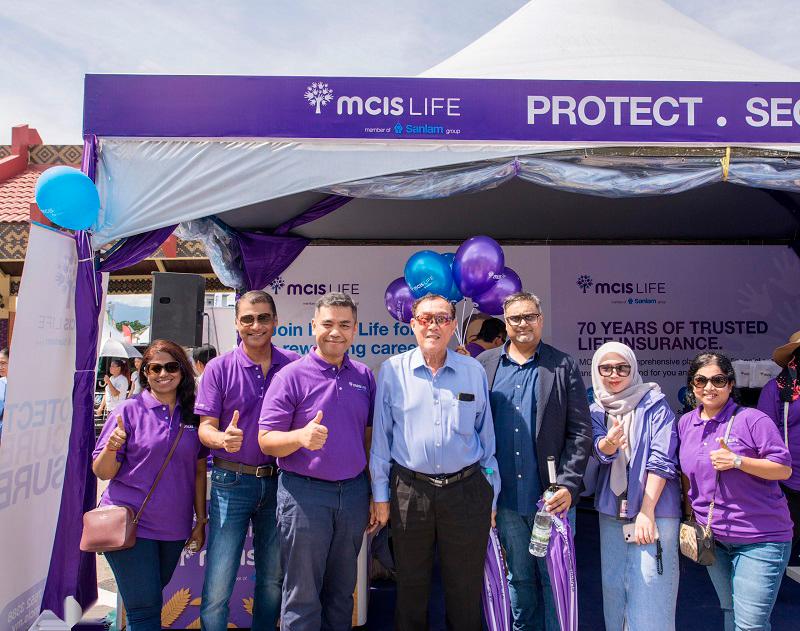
(540, 534)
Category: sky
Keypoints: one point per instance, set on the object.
(47, 46)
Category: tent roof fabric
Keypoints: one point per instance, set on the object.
(147, 183)
(607, 40)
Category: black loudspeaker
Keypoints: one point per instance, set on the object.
(176, 312)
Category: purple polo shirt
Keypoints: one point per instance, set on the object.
(151, 432)
(232, 382)
(346, 397)
(747, 509)
(770, 404)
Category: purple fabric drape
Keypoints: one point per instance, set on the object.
(265, 257)
(72, 572)
(317, 211)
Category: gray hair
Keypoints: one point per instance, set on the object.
(336, 299)
(430, 296)
(522, 296)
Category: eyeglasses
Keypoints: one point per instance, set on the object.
(529, 318)
(606, 370)
(425, 319)
(170, 367)
(718, 381)
(262, 318)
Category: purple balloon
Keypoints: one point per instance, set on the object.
(476, 263)
(398, 300)
(491, 301)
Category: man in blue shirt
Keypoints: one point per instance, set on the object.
(433, 469)
(540, 409)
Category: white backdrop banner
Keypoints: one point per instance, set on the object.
(667, 302)
(37, 421)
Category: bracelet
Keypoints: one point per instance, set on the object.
(201, 520)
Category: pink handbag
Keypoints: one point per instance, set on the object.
(111, 528)
(108, 528)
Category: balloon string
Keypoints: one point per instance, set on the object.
(469, 319)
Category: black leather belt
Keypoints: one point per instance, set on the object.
(446, 479)
(264, 471)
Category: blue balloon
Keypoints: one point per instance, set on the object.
(68, 198)
(428, 272)
(455, 293)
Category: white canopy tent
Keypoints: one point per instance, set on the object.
(146, 183)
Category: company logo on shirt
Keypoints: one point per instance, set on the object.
(357, 386)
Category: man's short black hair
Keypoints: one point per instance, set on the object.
(491, 329)
(255, 297)
(204, 354)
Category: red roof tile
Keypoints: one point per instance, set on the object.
(17, 195)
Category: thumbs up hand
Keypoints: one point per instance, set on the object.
(232, 436)
(314, 435)
(118, 436)
(722, 458)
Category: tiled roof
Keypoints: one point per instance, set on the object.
(17, 195)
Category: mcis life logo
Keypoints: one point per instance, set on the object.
(633, 291)
(318, 94)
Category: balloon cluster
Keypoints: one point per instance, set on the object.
(68, 198)
(476, 270)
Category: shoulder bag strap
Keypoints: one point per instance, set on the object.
(716, 478)
(160, 473)
(786, 423)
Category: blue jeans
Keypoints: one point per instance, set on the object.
(321, 529)
(532, 604)
(142, 572)
(236, 500)
(635, 595)
(747, 578)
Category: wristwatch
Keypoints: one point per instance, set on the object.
(737, 462)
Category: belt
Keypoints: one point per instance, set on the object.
(264, 471)
(441, 481)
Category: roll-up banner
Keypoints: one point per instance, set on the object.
(36, 423)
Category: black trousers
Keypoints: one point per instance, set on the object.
(456, 519)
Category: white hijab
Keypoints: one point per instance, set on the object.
(621, 405)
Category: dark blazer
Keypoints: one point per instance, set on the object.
(563, 422)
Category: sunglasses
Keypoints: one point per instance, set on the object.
(718, 381)
(425, 319)
(170, 367)
(528, 318)
(262, 318)
(606, 370)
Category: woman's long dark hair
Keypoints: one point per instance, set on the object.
(123, 368)
(186, 388)
(707, 359)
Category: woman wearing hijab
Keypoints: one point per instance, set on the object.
(637, 493)
(780, 400)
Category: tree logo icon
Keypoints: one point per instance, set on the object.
(277, 284)
(317, 95)
(584, 282)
